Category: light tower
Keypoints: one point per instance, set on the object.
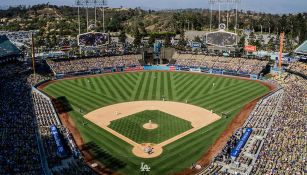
(87, 4)
(281, 46)
(222, 2)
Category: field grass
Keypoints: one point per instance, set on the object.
(132, 126)
(87, 94)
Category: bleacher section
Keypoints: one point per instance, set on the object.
(224, 65)
(47, 118)
(94, 65)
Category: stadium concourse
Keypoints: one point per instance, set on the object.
(276, 144)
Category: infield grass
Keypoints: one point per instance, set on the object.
(228, 96)
(168, 126)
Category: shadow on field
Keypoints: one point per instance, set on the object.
(99, 154)
(62, 104)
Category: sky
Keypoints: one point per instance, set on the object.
(269, 6)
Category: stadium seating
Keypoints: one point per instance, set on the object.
(239, 65)
(82, 65)
(298, 67)
(25, 119)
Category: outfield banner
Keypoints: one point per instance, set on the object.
(195, 70)
(236, 151)
(137, 68)
(250, 48)
(60, 149)
(107, 70)
(172, 68)
(156, 68)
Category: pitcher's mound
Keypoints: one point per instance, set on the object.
(147, 150)
(150, 126)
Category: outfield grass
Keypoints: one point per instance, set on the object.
(87, 94)
(132, 126)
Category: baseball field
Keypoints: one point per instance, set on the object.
(220, 96)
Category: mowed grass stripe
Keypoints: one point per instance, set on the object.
(238, 96)
(153, 86)
(91, 83)
(181, 79)
(119, 88)
(113, 91)
(197, 89)
(122, 84)
(139, 86)
(87, 92)
(188, 88)
(217, 83)
(182, 82)
(182, 87)
(237, 102)
(223, 94)
(106, 87)
(231, 82)
(223, 84)
(127, 81)
(77, 100)
(185, 90)
(149, 84)
(98, 84)
(162, 85)
(158, 89)
(130, 80)
(83, 82)
(216, 98)
(169, 88)
(72, 101)
(229, 89)
(208, 85)
(93, 97)
(135, 75)
(140, 94)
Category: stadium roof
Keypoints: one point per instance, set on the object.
(7, 48)
(302, 49)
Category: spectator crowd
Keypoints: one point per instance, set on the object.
(25, 119)
(284, 150)
(238, 65)
(298, 67)
(19, 152)
(87, 64)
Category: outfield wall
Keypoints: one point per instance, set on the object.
(160, 68)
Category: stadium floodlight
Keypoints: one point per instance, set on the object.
(219, 2)
(87, 4)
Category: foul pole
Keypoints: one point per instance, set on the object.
(281, 38)
(33, 54)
